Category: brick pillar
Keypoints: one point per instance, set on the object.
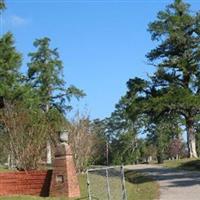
(64, 178)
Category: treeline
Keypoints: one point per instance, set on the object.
(161, 107)
(34, 107)
(33, 104)
(167, 103)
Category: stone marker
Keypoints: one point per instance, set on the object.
(64, 179)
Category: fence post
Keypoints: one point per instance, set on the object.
(88, 186)
(124, 195)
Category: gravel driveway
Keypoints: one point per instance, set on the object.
(174, 184)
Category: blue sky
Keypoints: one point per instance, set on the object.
(102, 43)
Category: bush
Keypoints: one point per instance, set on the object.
(26, 131)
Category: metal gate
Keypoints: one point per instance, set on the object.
(106, 183)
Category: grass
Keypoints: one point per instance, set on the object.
(138, 186)
(183, 164)
(141, 187)
(3, 169)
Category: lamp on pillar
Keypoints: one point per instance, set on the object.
(64, 179)
(64, 136)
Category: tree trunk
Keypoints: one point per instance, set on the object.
(48, 147)
(160, 156)
(191, 139)
(160, 159)
(49, 157)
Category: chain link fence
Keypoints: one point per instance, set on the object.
(106, 183)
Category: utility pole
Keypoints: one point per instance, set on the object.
(107, 152)
(49, 154)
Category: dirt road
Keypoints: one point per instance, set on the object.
(174, 184)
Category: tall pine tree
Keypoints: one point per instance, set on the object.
(174, 88)
(177, 58)
(45, 75)
(10, 62)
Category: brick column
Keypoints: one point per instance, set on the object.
(64, 179)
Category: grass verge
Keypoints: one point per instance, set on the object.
(141, 187)
(3, 169)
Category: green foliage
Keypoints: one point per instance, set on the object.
(119, 123)
(124, 149)
(172, 92)
(24, 126)
(129, 149)
(117, 136)
(177, 58)
(45, 75)
(2, 5)
(121, 134)
(98, 128)
(10, 62)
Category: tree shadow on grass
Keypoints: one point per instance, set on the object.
(173, 177)
(190, 165)
(137, 178)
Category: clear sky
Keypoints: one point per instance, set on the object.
(102, 43)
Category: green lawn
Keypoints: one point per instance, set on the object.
(139, 187)
(184, 164)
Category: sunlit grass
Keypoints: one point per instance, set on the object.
(184, 164)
